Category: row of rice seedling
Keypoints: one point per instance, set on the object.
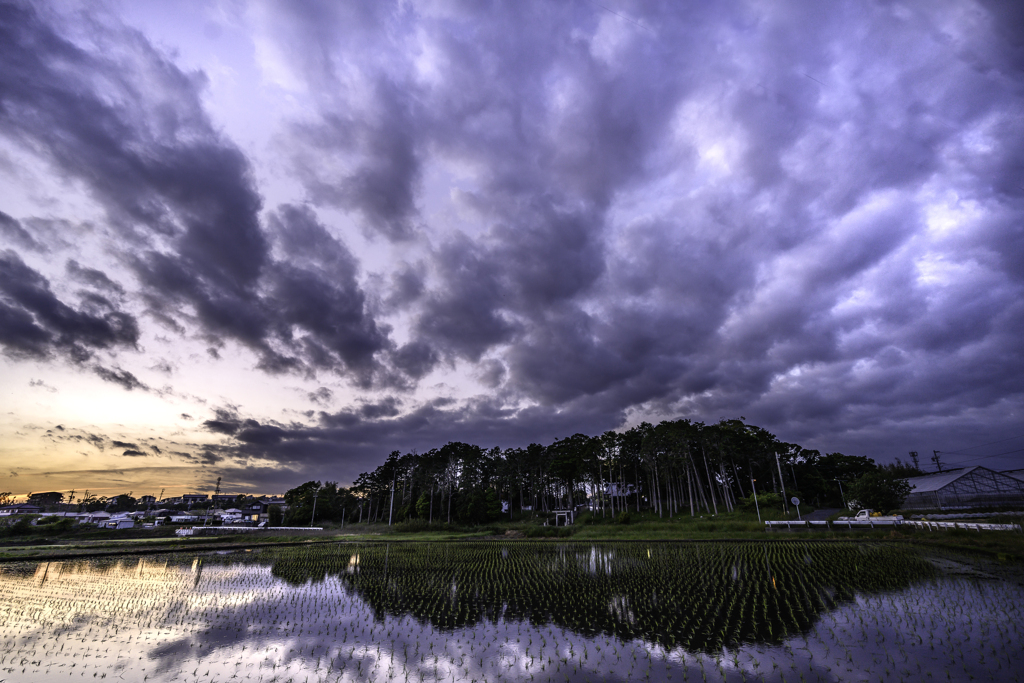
(505, 611)
(699, 596)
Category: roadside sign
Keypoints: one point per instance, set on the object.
(794, 500)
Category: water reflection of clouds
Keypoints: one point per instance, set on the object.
(150, 618)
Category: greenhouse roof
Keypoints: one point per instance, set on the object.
(939, 480)
(1016, 474)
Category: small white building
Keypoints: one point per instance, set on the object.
(119, 523)
(97, 517)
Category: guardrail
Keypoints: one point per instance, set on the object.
(970, 526)
(214, 530)
(841, 524)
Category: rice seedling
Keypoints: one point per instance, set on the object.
(509, 611)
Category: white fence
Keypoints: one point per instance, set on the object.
(873, 524)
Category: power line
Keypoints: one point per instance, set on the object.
(969, 448)
(983, 457)
(622, 16)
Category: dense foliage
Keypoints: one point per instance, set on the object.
(880, 490)
(675, 467)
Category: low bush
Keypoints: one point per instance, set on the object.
(550, 531)
(414, 525)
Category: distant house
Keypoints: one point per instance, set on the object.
(147, 500)
(20, 509)
(260, 510)
(48, 498)
(224, 497)
(97, 517)
(194, 498)
(969, 487)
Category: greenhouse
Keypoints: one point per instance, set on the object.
(964, 488)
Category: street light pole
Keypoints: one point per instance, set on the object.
(842, 494)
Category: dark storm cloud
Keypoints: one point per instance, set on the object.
(382, 186)
(224, 424)
(316, 290)
(719, 209)
(135, 132)
(344, 443)
(124, 378)
(321, 396)
(415, 358)
(92, 277)
(12, 230)
(252, 432)
(42, 385)
(131, 452)
(36, 323)
(809, 214)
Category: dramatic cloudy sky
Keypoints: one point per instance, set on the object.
(274, 241)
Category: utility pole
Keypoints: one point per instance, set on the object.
(315, 494)
(754, 489)
(935, 459)
(842, 494)
(391, 512)
(914, 459)
(785, 503)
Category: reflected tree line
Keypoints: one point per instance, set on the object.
(695, 596)
(673, 468)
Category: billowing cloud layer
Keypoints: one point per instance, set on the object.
(509, 222)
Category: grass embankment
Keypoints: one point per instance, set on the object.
(739, 525)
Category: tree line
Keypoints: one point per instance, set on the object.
(678, 467)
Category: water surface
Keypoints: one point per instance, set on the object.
(512, 611)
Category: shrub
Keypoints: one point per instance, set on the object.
(550, 531)
(880, 490)
(413, 525)
(764, 500)
(54, 526)
(624, 517)
(21, 527)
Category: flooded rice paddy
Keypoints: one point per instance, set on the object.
(515, 611)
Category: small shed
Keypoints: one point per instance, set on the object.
(969, 487)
